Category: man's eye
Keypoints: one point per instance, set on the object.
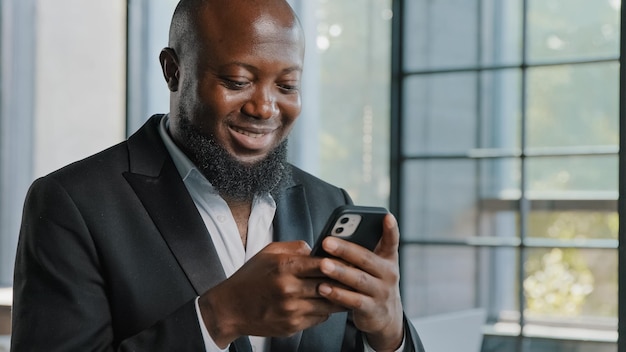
(236, 85)
(288, 88)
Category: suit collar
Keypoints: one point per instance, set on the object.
(146, 150)
(291, 223)
(162, 192)
(293, 218)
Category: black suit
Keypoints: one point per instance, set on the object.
(113, 252)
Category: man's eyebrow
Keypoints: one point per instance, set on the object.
(296, 68)
(293, 68)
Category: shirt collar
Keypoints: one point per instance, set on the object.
(184, 166)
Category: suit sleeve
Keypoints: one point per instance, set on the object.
(353, 339)
(412, 342)
(60, 290)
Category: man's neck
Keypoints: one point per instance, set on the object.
(241, 213)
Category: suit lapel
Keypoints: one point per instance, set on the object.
(291, 223)
(158, 185)
(155, 179)
(293, 218)
(175, 215)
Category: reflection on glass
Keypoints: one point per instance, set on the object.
(353, 48)
(440, 34)
(573, 105)
(438, 280)
(573, 177)
(500, 179)
(454, 34)
(572, 225)
(440, 113)
(441, 201)
(500, 95)
(573, 29)
(571, 284)
(441, 280)
(501, 32)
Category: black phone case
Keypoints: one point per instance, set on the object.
(367, 233)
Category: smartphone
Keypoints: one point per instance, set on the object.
(358, 224)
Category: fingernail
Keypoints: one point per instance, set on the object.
(327, 266)
(324, 289)
(330, 244)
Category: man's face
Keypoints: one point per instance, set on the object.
(240, 85)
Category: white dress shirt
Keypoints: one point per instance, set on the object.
(222, 227)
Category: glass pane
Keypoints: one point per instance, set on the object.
(570, 286)
(575, 177)
(501, 32)
(501, 109)
(570, 29)
(573, 225)
(499, 201)
(500, 224)
(439, 199)
(440, 34)
(573, 105)
(347, 93)
(440, 280)
(342, 134)
(500, 179)
(439, 113)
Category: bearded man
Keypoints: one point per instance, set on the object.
(195, 233)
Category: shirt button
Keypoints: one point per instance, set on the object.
(221, 218)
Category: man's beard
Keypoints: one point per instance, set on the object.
(234, 179)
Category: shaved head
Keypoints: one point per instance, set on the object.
(226, 16)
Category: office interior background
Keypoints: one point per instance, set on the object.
(489, 127)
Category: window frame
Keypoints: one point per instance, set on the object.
(524, 204)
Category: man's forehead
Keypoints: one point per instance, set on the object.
(229, 13)
(221, 26)
(229, 26)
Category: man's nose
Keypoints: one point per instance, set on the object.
(262, 104)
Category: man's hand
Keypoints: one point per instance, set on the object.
(372, 280)
(273, 294)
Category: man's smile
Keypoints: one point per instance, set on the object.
(253, 138)
(248, 133)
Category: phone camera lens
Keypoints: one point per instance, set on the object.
(339, 230)
(344, 220)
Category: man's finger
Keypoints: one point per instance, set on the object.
(388, 245)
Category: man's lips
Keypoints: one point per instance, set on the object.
(250, 133)
(253, 138)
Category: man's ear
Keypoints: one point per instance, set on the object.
(170, 67)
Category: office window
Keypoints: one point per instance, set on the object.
(62, 98)
(505, 145)
(342, 135)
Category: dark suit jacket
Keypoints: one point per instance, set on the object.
(113, 252)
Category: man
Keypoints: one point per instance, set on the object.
(192, 235)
